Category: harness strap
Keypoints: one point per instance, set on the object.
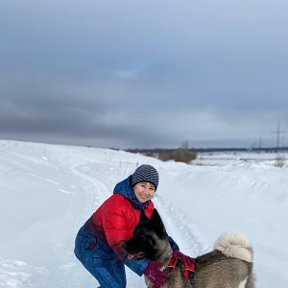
(189, 273)
(192, 279)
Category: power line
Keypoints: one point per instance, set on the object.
(278, 133)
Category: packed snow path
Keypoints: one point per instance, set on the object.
(72, 185)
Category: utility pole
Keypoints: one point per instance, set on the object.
(278, 133)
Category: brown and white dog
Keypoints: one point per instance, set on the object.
(229, 265)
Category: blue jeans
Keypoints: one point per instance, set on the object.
(112, 276)
(99, 259)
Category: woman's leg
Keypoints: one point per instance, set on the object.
(100, 262)
(111, 275)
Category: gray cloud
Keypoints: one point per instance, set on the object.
(139, 74)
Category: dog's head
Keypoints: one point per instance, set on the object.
(146, 238)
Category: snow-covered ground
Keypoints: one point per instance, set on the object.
(48, 191)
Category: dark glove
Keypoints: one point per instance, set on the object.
(183, 258)
(156, 277)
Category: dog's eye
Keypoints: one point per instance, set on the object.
(151, 241)
(148, 240)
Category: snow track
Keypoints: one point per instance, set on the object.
(180, 228)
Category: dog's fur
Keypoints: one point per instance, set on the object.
(229, 265)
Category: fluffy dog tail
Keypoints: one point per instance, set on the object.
(235, 245)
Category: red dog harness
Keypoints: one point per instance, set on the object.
(189, 270)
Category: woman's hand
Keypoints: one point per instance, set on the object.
(155, 276)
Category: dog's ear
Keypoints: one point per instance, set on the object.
(158, 225)
(143, 217)
(156, 219)
(155, 216)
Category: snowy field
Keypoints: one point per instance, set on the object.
(48, 191)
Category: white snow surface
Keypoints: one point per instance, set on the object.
(48, 191)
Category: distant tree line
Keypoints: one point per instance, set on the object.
(187, 155)
(182, 154)
(205, 150)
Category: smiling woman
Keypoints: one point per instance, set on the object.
(144, 191)
(98, 244)
(145, 181)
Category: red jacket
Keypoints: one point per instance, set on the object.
(116, 219)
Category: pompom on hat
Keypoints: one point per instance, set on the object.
(145, 173)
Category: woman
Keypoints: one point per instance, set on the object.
(98, 242)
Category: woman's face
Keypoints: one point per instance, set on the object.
(144, 191)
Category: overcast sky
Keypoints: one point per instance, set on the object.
(144, 74)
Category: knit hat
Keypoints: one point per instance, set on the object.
(145, 173)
